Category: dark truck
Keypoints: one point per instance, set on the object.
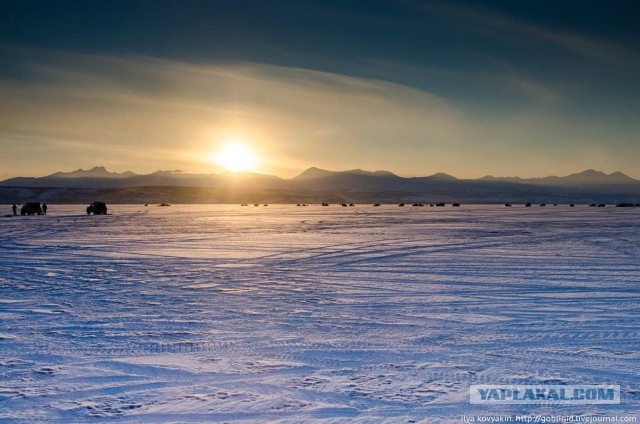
(97, 208)
(31, 208)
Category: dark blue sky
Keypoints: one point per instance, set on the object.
(575, 63)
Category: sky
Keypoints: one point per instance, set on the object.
(470, 88)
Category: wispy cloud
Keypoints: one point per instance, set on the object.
(69, 110)
(502, 76)
(484, 20)
(174, 113)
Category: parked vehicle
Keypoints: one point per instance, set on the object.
(31, 208)
(97, 208)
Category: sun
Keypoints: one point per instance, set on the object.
(236, 157)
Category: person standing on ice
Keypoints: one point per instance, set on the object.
(15, 209)
(44, 208)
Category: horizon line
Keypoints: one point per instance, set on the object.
(227, 172)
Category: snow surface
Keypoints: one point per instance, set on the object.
(329, 314)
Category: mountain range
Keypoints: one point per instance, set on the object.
(313, 186)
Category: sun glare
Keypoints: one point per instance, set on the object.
(236, 157)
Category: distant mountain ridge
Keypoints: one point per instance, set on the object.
(95, 172)
(314, 172)
(589, 176)
(355, 185)
(99, 174)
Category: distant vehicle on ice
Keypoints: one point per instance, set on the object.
(31, 208)
(97, 208)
